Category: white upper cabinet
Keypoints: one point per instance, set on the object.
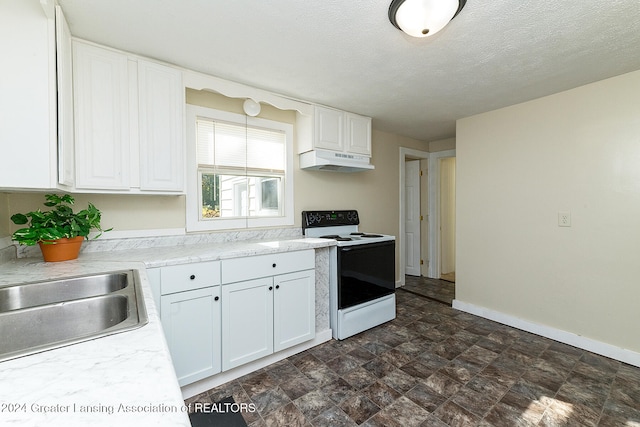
(64, 65)
(329, 129)
(129, 122)
(27, 95)
(358, 134)
(160, 112)
(101, 92)
(334, 130)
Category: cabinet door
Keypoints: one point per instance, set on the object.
(294, 309)
(247, 322)
(101, 112)
(27, 96)
(66, 168)
(329, 129)
(358, 138)
(161, 117)
(191, 322)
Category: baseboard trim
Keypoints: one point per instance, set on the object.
(205, 384)
(599, 347)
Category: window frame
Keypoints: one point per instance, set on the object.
(194, 223)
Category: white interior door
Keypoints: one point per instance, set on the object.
(412, 217)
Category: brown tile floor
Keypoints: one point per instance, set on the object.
(435, 366)
(436, 289)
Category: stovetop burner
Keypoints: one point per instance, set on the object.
(356, 236)
(340, 226)
(366, 235)
(336, 237)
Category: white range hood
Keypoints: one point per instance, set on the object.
(325, 160)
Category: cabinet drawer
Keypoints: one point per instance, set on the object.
(179, 278)
(238, 269)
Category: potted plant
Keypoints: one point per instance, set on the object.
(59, 231)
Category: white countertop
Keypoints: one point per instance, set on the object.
(184, 254)
(122, 379)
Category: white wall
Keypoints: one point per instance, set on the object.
(517, 167)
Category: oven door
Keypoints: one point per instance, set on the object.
(365, 272)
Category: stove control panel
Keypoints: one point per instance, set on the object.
(311, 219)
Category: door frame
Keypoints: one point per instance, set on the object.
(413, 265)
(434, 210)
(405, 154)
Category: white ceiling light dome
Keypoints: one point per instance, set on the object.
(423, 18)
(251, 107)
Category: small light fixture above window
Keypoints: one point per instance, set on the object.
(423, 18)
(251, 107)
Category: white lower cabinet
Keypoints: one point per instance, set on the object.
(247, 322)
(268, 314)
(294, 309)
(190, 307)
(266, 304)
(191, 322)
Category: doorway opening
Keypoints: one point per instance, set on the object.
(427, 223)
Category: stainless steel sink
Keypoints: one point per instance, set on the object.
(41, 316)
(40, 293)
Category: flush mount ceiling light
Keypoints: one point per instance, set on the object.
(423, 18)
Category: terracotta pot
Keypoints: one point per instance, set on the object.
(62, 249)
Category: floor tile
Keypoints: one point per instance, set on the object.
(359, 408)
(435, 366)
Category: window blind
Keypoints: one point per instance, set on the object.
(233, 146)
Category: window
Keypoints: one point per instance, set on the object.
(239, 172)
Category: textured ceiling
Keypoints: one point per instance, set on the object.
(346, 54)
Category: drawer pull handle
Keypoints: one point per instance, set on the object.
(274, 265)
(270, 288)
(277, 286)
(192, 277)
(216, 298)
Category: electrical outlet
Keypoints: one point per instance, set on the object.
(564, 219)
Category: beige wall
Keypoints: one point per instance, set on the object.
(5, 222)
(122, 212)
(517, 167)
(442, 145)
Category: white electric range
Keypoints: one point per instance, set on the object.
(362, 271)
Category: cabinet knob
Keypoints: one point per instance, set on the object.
(216, 298)
(277, 286)
(193, 276)
(270, 288)
(273, 265)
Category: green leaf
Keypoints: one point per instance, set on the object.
(19, 219)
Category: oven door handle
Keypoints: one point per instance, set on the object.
(365, 246)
